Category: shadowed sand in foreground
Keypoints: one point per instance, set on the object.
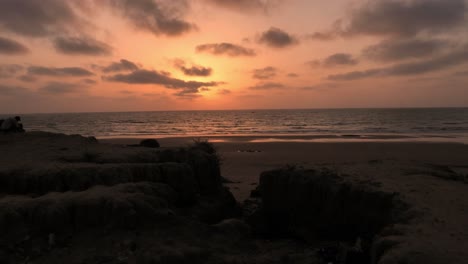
(71, 197)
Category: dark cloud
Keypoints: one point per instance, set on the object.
(188, 93)
(460, 74)
(453, 58)
(55, 17)
(406, 18)
(159, 78)
(59, 72)
(293, 75)
(229, 49)
(126, 92)
(7, 90)
(338, 59)
(27, 78)
(60, 88)
(425, 79)
(331, 34)
(267, 86)
(356, 75)
(10, 70)
(121, 66)
(224, 92)
(12, 47)
(159, 18)
(245, 5)
(396, 49)
(322, 36)
(314, 63)
(194, 70)
(38, 18)
(398, 19)
(265, 73)
(81, 46)
(320, 87)
(89, 81)
(277, 38)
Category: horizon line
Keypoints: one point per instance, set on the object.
(241, 109)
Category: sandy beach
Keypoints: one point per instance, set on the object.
(244, 158)
(46, 175)
(431, 176)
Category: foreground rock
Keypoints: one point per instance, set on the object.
(82, 176)
(365, 221)
(121, 206)
(66, 186)
(319, 204)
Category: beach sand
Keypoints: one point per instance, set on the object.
(431, 177)
(244, 158)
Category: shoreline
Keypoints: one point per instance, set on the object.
(369, 138)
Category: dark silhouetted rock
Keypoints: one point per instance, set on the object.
(92, 139)
(212, 209)
(255, 193)
(233, 226)
(314, 204)
(149, 143)
(124, 205)
(205, 166)
(207, 171)
(83, 176)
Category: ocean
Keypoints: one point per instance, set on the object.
(439, 123)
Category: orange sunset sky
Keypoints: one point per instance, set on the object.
(143, 55)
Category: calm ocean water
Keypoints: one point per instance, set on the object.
(429, 122)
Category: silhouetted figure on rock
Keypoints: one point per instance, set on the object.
(12, 125)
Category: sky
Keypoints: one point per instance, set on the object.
(147, 55)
